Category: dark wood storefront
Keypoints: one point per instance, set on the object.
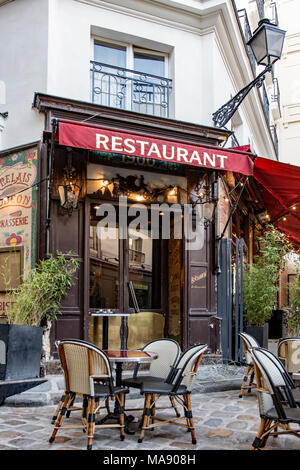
(59, 231)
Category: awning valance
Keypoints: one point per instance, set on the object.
(92, 137)
(280, 188)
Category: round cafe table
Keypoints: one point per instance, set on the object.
(119, 357)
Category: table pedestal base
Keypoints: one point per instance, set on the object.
(115, 415)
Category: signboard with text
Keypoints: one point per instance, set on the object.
(18, 175)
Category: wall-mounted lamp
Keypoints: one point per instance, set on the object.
(70, 189)
(263, 217)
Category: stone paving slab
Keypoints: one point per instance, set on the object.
(210, 378)
(223, 421)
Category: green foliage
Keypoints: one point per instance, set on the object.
(39, 296)
(293, 312)
(261, 278)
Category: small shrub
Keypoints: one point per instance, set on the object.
(293, 311)
(261, 278)
(39, 297)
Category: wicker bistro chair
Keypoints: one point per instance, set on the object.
(277, 407)
(85, 366)
(71, 406)
(295, 392)
(248, 342)
(161, 369)
(288, 350)
(179, 388)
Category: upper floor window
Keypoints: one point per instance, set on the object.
(132, 78)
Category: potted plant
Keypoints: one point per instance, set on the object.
(34, 303)
(261, 283)
(293, 310)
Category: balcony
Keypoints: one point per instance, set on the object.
(129, 89)
(261, 8)
(275, 99)
(265, 102)
(136, 258)
(244, 22)
(272, 13)
(275, 139)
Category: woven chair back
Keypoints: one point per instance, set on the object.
(248, 342)
(80, 362)
(271, 383)
(272, 376)
(289, 349)
(280, 366)
(188, 365)
(168, 352)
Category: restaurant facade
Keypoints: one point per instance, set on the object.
(127, 125)
(118, 160)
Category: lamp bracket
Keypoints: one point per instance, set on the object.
(225, 113)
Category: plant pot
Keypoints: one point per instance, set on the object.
(20, 351)
(260, 333)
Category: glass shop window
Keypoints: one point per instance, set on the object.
(145, 272)
(104, 271)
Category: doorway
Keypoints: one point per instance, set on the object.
(132, 274)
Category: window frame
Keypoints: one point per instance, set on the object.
(130, 50)
(14, 249)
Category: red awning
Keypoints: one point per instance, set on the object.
(89, 136)
(280, 189)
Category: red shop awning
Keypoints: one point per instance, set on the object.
(89, 136)
(280, 189)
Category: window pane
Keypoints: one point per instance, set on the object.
(104, 270)
(111, 55)
(149, 64)
(145, 272)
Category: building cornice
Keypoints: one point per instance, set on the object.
(63, 108)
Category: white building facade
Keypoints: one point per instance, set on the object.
(199, 44)
(159, 68)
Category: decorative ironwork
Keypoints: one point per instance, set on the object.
(265, 103)
(133, 187)
(244, 22)
(225, 113)
(261, 8)
(234, 141)
(275, 139)
(275, 94)
(129, 89)
(136, 257)
(273, 13)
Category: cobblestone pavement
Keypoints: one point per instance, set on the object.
(222, 421)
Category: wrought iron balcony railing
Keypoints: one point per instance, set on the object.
(136, 257)
(272, 13)
(265, 102)
(275, 138)
(261, 8)
(244, 22)
(129, 89)
(275, 93)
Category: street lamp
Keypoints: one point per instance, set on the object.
(266, 44)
